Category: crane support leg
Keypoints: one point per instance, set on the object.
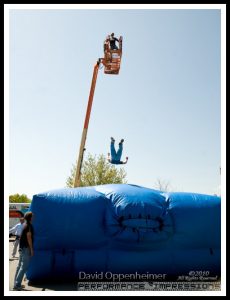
(77, 180)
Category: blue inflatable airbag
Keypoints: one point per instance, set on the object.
(122, 228)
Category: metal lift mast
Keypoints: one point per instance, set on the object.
(111, 62)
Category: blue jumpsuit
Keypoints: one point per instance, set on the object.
(116, 156)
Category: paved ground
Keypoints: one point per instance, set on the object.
(13, 262)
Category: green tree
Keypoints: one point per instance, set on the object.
(16, 198)
(96, 170)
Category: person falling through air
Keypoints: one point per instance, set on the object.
(116, 156)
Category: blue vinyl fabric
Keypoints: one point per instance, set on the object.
(123, 228)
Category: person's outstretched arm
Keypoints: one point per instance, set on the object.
(108, 157)
(13, 229)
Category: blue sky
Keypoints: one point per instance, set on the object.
(165, 102)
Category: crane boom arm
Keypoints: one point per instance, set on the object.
(77, 180)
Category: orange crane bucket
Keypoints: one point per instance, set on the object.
(112, 58)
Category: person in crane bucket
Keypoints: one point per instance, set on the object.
(116, 156)
(112, 41)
